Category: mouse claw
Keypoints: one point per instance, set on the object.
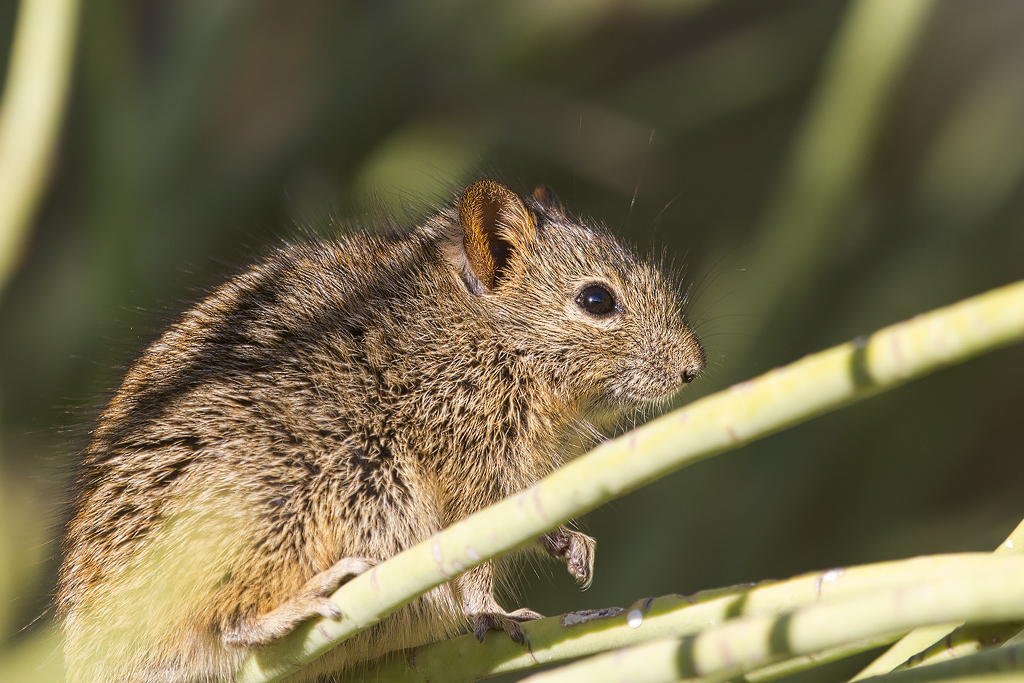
(507, 622)
(576, 549)
(327, 609)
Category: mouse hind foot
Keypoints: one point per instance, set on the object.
(312, 600)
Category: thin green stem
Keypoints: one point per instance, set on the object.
(829, 157)
(963, 641)
(794, 665)
(30, 114)
(992, 666)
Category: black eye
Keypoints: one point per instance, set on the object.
(596, 300)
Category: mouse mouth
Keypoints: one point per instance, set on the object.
(613, 416)
(622, 404)
(655, 403)
(647, 392)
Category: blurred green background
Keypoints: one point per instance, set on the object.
(823, 168)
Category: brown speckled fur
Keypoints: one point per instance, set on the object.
(347, 399)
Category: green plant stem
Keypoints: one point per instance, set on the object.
(794, 665)
(748, 411)
(819, 182)
(579, 634)
(992, 666)
(918, 640)
(746, 643)
(33, 103)
(964, 640)
(905, 648)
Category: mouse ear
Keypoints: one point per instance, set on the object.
(547, 198)
(494, 221)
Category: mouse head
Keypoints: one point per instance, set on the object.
(604, 326)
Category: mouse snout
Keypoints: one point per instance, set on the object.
(692, 360)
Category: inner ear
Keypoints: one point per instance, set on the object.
(494, 221)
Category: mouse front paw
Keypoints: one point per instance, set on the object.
(505, 621)
(575, 549)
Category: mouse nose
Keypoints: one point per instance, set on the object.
(688, 375)
(692, 368)
(691, 359)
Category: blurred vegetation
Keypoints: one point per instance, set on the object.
(200, 131)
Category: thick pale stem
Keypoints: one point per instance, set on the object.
(918, 640)
(992, 595)
(579, 634)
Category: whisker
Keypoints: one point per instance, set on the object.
(640, 176)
